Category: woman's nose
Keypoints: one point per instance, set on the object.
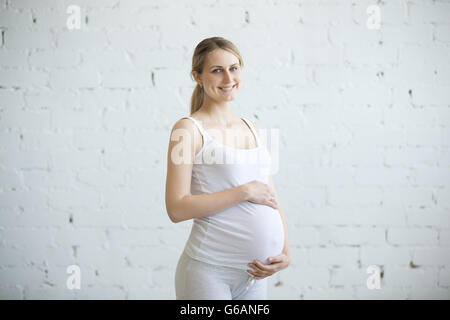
(227, 75)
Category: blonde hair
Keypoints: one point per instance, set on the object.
(198, 61)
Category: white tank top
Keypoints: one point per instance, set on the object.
(246, 231)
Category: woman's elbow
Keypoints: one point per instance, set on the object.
(175, 210)
(172, 216)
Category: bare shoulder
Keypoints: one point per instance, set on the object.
(256, 125)
(189, 128)
(258, 130)
(183, 123)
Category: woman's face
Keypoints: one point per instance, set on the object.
(221, 76)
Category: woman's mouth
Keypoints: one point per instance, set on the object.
(227, 89)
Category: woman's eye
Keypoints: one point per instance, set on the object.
(221, 69)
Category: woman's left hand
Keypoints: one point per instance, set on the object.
(276, 264)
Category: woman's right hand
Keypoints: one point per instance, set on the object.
(258, 192)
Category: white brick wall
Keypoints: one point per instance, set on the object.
(85, 117)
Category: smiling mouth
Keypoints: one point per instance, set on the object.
(227, 89)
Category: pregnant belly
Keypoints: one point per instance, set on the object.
(244, 233)
(264, 232)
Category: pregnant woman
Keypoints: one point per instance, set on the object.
(239, 233)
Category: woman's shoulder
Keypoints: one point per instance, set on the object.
(185, 126)
(255, 124)
(257, 129)
(183, 123)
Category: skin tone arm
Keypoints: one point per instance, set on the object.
(283, 260)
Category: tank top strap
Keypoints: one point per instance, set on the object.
(252, 128)
(200, 128)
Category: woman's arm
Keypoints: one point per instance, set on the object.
(202, 205)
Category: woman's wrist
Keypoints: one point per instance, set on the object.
(243, 192)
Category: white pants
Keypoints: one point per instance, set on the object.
(197, 280)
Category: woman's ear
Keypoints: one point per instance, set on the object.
(196, 77)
